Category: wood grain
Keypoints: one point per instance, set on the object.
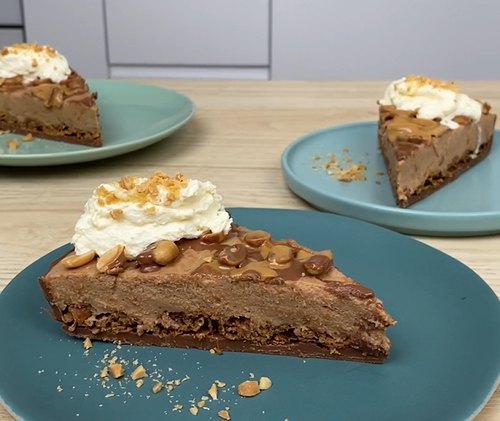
(235, 139)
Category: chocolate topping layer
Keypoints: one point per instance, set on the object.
(241, 293)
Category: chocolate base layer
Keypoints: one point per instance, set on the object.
(220, 344)
(432, 184)
(61, 133)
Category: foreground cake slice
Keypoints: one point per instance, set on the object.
(429, 133)
(158, 261)
(42, 96)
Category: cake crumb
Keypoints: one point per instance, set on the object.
(138, 373)
(379, 173)
(28, 137)
(177, 407)
(87, 343)
(157, 387)
(139, 383)
(12, 145)
(59, 388)
(343, 168)
(213, 391)
(224, 414)
(116, 370)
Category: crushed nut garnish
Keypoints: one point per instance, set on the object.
(177, 407)
(87, 343)
(200, 404)
(219, 384)
(116, 213)
(194, 410)
(224, 414)
(139, 383)
(28, 137)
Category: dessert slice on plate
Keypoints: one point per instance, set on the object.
(158, 261)
(429, 133)
(42, 96)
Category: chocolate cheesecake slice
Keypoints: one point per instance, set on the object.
(40, 95)
(226, 288)
(237, 292)
(429, 134)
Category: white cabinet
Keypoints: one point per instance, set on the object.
(188, 37)
(10, 13)
(11, 22)
(385, 39)
(188, 32)
(276, 39)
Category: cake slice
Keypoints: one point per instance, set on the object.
(42, 96)
(429, 133)
(158, 261)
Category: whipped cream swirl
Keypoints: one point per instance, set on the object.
(136, 212)
(32, 61)
(431, 99)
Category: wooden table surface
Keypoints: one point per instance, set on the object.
(235, 140)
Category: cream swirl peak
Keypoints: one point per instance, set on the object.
(32, 61)
(431, 99)
(137, 212)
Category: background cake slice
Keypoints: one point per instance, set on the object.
(41, 95)
(194, 279)
(429, 133)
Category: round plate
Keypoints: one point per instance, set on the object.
(470, 205)
(444, 363)
(132, 117)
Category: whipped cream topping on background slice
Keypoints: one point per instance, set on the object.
(432, 99)
(136, 212)
(32, 61)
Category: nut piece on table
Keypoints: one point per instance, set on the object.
(75, 261)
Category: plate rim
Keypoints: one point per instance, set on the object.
(105, 151)
(411, 217)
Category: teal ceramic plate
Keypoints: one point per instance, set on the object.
(468, 206)
(444, 365)
(132, 115)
